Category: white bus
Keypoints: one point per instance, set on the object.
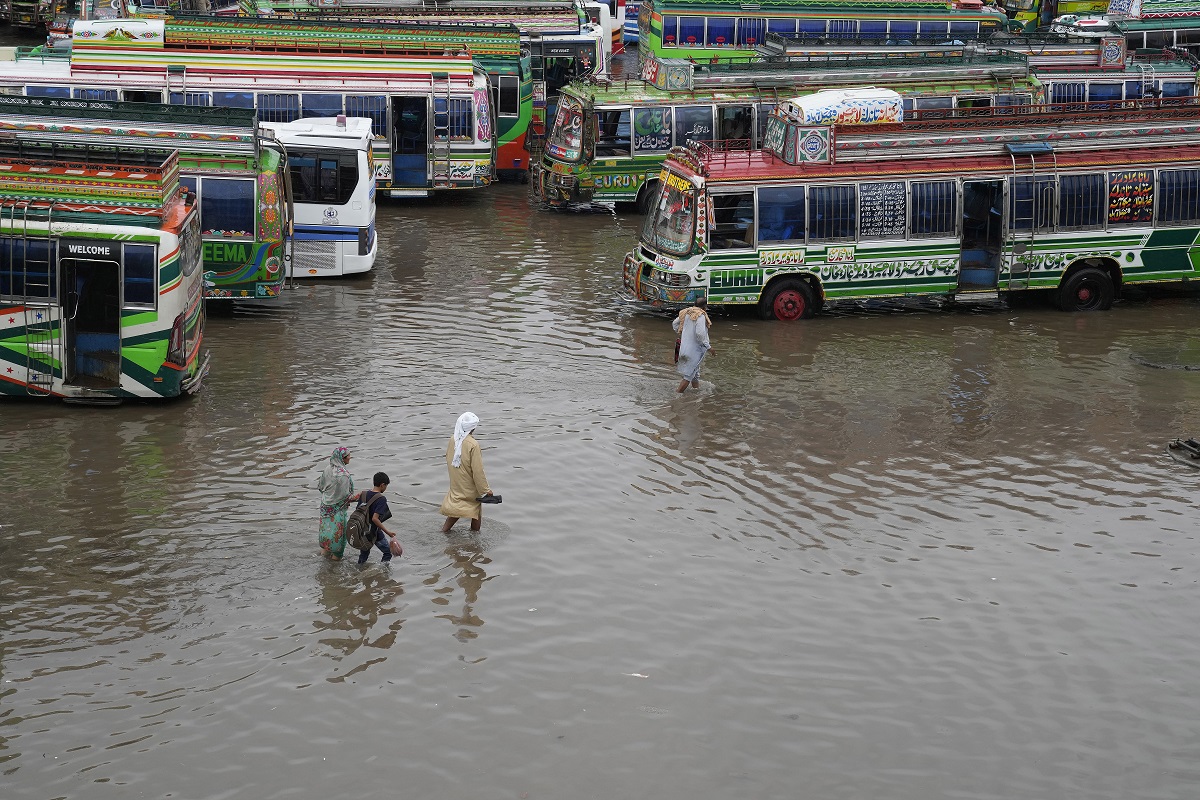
(333, 195)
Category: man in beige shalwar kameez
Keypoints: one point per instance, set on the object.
(464, 462)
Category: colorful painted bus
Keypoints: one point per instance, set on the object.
(101, 281)
(706, 29)
(608, 141)
(1075, 203)
(238, 175)
(430, 110)
(333, 194)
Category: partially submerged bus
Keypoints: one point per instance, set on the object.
(333, 193)
(1076, 203)
(608, 141)
(101, 284)
(430, 110)
(706, 29)
(237, 174)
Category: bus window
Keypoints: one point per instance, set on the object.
(781, 26)
(933, 209)
(1082, 201)
(321, 105)
(832, 213)
(1029, 210)
(48, 91)
(1178, 89)
(691, 31)
(903, 31)
(374, 107)
(458, 120)
(21, 278)
(1178, 196)
(872, 29)
(720, 32)
(141, 280)
(670, 30)
(506, 95)
(95, 94)
(154, 96)
(934, 30)
(811, 28)
(781, 214)
(751, 31)
(278, 107)
(323, 177)
(733, 219)
(233, 99)
(764, 111)
(843, 28)
(735, 123)
(693, 123)
(612, 133)
(652, 130)
(227, 207)
(964, 30)
(191, 98)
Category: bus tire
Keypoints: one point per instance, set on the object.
(1089, 289)
(787, 300)
(646, 196)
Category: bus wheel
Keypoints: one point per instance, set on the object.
(1089, 289)
(646, 196)
(787, 300)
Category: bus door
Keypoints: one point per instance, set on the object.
(410, 142)
(982, 234)
(91, 274)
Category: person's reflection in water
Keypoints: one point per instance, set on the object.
(469, 558)
(353, 605)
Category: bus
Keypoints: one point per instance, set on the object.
(1074, 203)
(608, 141)
(553, 44)
(1158, 23)
(101, 280)
(1040, 13)
(430, 110)
(333, 193)
(707, 29)
(238, 175)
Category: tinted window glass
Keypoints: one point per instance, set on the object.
(832, 213)
(323, 176)
(278, 107)
(322, 105)
(1179, 195)
(934, 209)
(32, 275)
(227, 207)
(781, 214)
(693, 123)
(371, 106)
(233, 99)
(1082, 201)
(733, 219)
(141, 281)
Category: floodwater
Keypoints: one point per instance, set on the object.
(902, 554)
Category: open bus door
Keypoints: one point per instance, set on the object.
(982, 245)
(410, 142)
(91, 274)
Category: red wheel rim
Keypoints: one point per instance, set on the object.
(1084, 295)
(789, 305)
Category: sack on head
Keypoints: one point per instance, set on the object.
(358, 526)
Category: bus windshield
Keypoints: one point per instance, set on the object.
(671, 222)
(566, 137)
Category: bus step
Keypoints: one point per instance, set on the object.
(408, 192)
(976, 296)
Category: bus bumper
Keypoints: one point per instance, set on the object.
(638, 276)
(195, 382)
(556, 189)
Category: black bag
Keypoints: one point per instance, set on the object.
(358, 526)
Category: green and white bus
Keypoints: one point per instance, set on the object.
(1077, 203)
(101, 280)
(608, 140)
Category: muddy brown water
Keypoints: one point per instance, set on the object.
(885, 553)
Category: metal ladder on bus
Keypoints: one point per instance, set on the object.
(43, 344)
(440, 149)
(1148, 76)
(1021, 258)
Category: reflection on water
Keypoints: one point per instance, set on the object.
(898, 553)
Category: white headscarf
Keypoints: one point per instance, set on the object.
(466, 423)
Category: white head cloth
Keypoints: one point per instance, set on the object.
(466, 423)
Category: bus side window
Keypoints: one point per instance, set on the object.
(733, 218)
(781, 214)
(832, 213)
(613, 134)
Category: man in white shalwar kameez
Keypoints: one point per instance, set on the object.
(692, 325)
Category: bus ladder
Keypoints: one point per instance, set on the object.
(1021, 256)
(440, 150)
(43, 345)
(1146, 71)
(177, 71)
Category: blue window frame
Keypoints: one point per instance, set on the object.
(1082, 201)
(720, 32)
(1179, 196)
(278, 107)
(1104, 92)
(964, 30)
(321, 105)
(872, 29)
(934, 209)
(832, 213)
(811, 27)
(372, 106)
(141, 275)
(233, 99)
(28, 268)
(191, 98)
(781, 26)
(1178, 88)
(95, 94)
(751, 31)
(691, 31)
(781, 214)
(47, 91)
(227, 207)
(934, 29)
(904, 29)
(670, 30)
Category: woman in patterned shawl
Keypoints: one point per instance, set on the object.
(337, 492)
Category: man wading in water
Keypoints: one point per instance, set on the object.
(692, 325)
